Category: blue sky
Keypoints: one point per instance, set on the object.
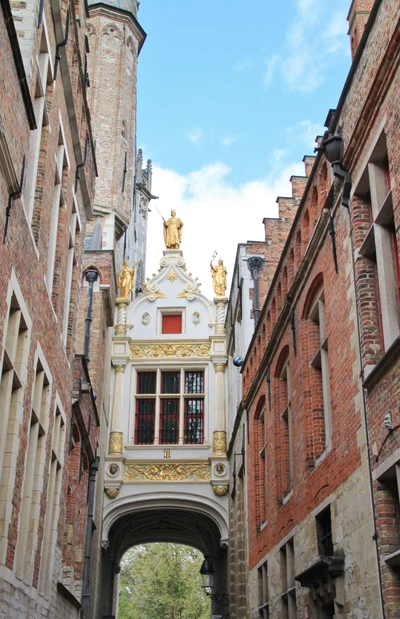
(231, 95)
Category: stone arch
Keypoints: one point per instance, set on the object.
(111, 30)
(314, 288)
(282, 359)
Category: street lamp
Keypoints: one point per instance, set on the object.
(333, 149)
(207, 576)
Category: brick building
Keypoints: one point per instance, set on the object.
(62, 243)
(314, 442)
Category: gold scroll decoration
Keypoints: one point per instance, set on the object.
(219, 443)
(116, 443)
(220, 490)
(171, 471)
(112, 493)
(168, 350)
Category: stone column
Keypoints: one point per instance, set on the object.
(220, 303)
(219, 436)
(116, 434)
(120, 328)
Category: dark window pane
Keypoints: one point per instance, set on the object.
(169, 421)
(193, 421)
(170, 382)
(194, 382)
(144, 426)
(146, 382)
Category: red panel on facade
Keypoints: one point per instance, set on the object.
(172, 323)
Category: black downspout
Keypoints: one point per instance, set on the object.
(255, 264)
(94, 467)
(91, 277)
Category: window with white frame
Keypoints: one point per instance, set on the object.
(380, 244)
(321, 392)
(288, 595)
(15, 352)
(260, 436)
(61, 169)
(37, 137)
(74, 230)
(53, 501)
(263, 592)
(286, 435)
(169, 407)
(28, 530)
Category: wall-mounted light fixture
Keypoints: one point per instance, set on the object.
(207, 576)
(333, 149)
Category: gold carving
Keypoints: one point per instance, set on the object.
(119, 369)
(120, 330)
(219, 442)
(218, 275)
(173, 231)
(126, 280)
(112, 493)
(116, 443)
(172, 276)
(173, 471)
(220, 490)
(157, 351)
(219, 367)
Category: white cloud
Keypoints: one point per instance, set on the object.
(196, 136)
(230, 139)
(243, 65)
(305, 133)
(269, 73)
(217, 215)
(308, 49)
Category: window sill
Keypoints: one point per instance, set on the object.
(393, 559)
(169, 446)
(287, 497)
(388, 360)
(322, 457)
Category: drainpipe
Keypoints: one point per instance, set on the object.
(94, 467)
(255, 264)
(91, 277)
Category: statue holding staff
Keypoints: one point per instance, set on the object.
(126, 279)
(218, 274)
(173, 231)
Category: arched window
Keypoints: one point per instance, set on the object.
(260, 448)
(284, 409)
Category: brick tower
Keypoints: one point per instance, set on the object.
(358, 16)
(114, 40)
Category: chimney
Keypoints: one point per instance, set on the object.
(357, 18)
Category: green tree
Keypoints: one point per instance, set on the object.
(162, 581)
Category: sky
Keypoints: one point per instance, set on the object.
(231, 96)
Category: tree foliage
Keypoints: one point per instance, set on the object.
(162, 581)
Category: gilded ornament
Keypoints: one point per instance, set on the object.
(172, 276)
(220, 490)
(168, 350)
(116, 443)
(112, 493)
(126, 280)
(219, 442)
(173, 231)
(171, 471)
(120, 330)
(119, 369)
(218, 275)
(219, 367)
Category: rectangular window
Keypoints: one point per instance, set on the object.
(166, 412)
(288, 596)
(171, 323)
(324, 533)
(263, 594)
(322, 425)
(34, 474)
(13, 374)
(380, 244)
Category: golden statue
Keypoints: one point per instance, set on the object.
(126, 279)
(173, 231)
(218, 274)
